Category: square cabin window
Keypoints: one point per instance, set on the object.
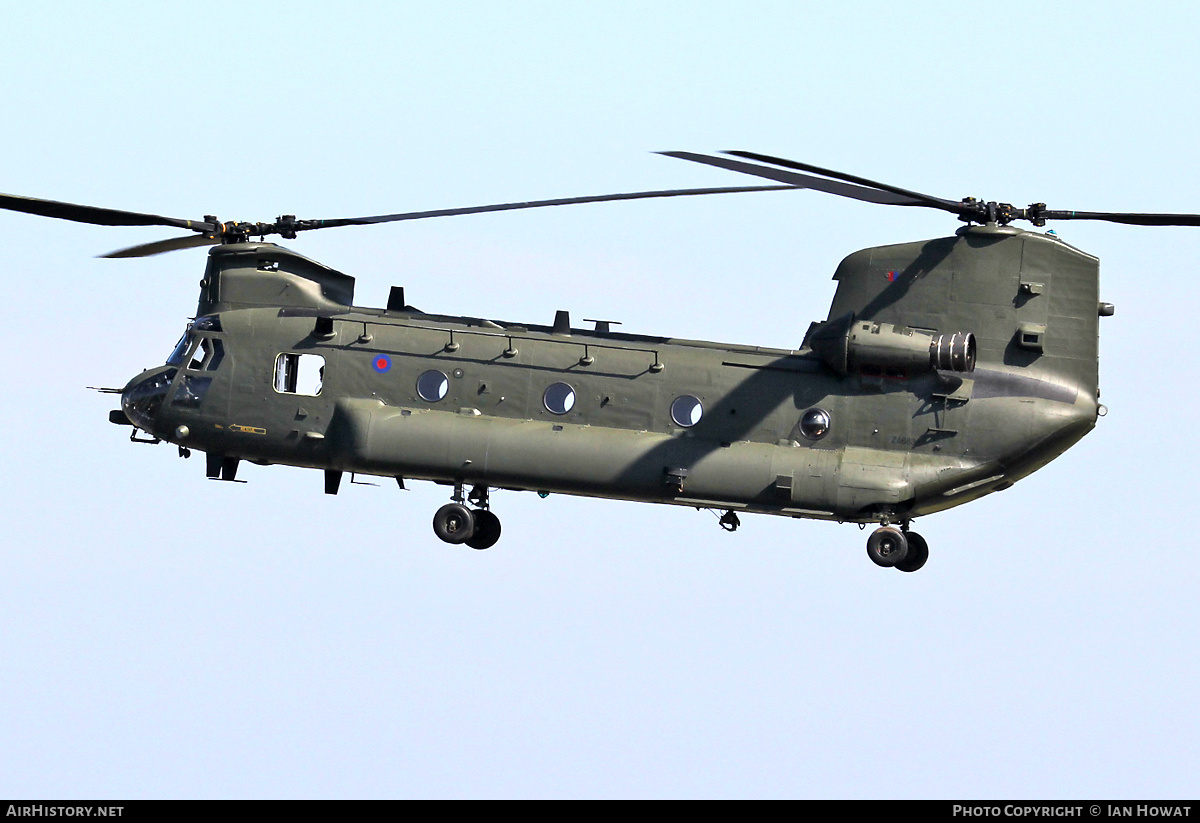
(299, 374)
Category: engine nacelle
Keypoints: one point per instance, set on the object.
(852, 346)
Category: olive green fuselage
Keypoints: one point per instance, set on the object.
(461, 400)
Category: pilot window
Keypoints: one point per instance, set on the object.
(208, 355)
(181, 348)
(299, 374)
(209, 352)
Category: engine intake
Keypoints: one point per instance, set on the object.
(953, 352)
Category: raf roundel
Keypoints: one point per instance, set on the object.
(382, 363)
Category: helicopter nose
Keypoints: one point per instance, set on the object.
(143, 396)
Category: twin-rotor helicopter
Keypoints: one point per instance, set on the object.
(945, 370)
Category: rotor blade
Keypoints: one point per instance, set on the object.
(1129, 218)
(532, 204)
(803, 181)
(926, 199)
(161, 246)
(94, 214)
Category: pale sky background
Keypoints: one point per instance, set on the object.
(162, 635)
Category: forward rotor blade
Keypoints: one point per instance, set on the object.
(532, 204)
(926, 199)
(95, 215)
(804, 181)
(161, 246)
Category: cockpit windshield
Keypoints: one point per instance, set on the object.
(181, 348)
(143, 401)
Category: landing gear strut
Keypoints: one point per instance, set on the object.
(456, 523)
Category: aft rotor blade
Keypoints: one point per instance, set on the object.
(95, 215)
(303, 225)
(161, 246)
(804, 181)
(1129, 218)
(926, 199)
(969, 210)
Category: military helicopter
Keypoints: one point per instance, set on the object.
(945, 370)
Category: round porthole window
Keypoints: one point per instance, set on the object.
(814, 424)
(686, 411)
(559, 398)
(432, 385)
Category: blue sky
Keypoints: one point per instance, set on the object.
(165, 636)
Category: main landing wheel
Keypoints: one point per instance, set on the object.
(918, 553)
(887, 546)
(487, 530)
(455, 523)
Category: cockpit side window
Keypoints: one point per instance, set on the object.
(299, 373)
(207, 355)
